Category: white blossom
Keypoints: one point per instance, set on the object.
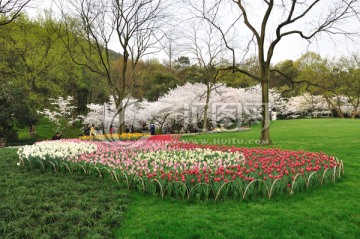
(62, 113)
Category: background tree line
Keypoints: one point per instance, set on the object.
(46, 57)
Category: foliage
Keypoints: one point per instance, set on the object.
(61, 114)
(6, 119)
(44, 131)
(159, 85)
(334, 80)
(35, 66)
(284, 81)
(34, 57)
(347, 71)
(14, 110)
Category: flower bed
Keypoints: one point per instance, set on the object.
(163, 137)
(115, 137)
(170, 168)
(53, 149)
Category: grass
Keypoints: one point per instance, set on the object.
(45, 130)
(56, 205)
(331, 211)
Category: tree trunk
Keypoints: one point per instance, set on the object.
(337, 109)
(265, 123)
(32, 131)
(353, 115)
(356, 106)
(206, 108)
(121, 118)
(122, 94)
(121, 123)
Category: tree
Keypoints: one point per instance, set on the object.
(15, 109)
(321, 78)
(33, 57)
(35, 62)
(169, 47)
(207, 49)
(10, 10)
(349, 73)
(238, 79)
(182, 62)
(31, 54)
(62, 113)
(135, 24)
(284, 78)
(269, 22)
(305, 104)
(183, 106)
(153, 80)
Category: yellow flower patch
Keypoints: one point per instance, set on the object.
(112, 137)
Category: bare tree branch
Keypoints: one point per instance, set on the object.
(284, 14)
(10, 10)
(93, 28)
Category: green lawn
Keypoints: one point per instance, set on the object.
(329, 212)
(56, 205)
(332, 211)
(45, 130)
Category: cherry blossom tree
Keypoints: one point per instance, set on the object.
(227, 105)
(62, 113)
(316, 105)
(184, 106)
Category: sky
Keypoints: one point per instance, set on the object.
(289, 48)
(292, 48)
